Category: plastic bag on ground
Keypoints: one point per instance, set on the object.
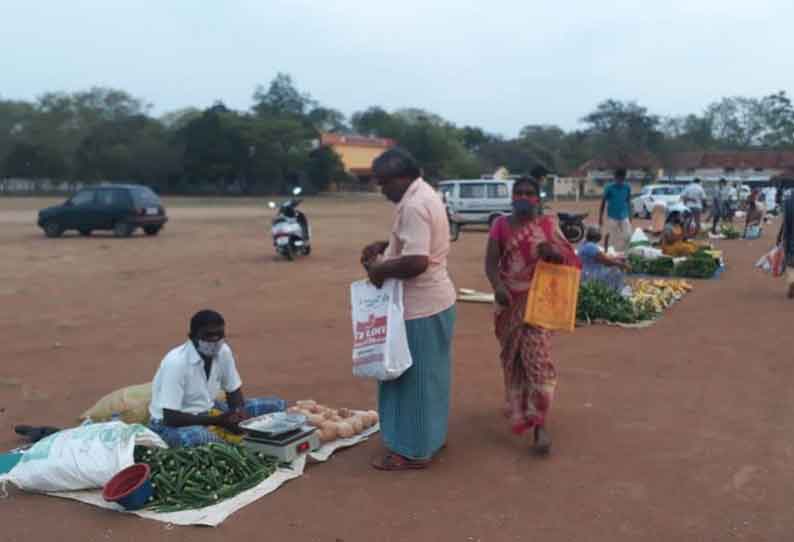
(380, 343)
(773, 262)
(130, 403)
(639, 239)
(84, 457)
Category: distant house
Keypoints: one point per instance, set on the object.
(747, 167)
(357, 152)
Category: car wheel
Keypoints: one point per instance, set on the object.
(123, 229)
(85, 232)
(152, 230)
(53, 230)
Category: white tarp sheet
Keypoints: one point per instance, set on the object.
(213, 516)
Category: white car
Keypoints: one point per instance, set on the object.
(643, 204)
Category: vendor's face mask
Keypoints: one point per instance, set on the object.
(209, 348)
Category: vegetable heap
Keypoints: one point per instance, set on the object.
(729, 232)
(662, 266)
(597, 301)
(654, 296)
(192, 478)
(701, 265)
(334, 424)
(648, 300)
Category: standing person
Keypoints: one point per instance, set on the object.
(693, 197)
(617, 201)
(720, 204)
(733, 199)
(515, 245)
(414, 408)
(785, 238)
(189, 379)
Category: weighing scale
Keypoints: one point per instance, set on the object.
(281, 435)
(287, 446)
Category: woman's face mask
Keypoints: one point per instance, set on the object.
(525, 205)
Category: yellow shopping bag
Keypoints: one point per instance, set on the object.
(552, 299)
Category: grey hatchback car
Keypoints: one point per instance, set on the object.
(120, 208)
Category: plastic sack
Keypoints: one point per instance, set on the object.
(130, 403)
(639, 239)
(380, 343)
(648, 253)
(84, 457)
(553, 294)
(773, 262)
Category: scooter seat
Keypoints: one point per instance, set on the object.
(572, 216)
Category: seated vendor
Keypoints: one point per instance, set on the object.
(674, 239)
(756, 210)
(183, 409)
(598, 266)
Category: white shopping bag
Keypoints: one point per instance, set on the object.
(380, 343)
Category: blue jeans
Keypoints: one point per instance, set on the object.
(197, 435)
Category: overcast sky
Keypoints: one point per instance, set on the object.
(499, 64)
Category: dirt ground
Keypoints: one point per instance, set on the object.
(675, 432)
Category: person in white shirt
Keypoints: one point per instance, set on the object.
(693, 197)
(184, 410)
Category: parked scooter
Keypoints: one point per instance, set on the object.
(291, 231)
(572, 226)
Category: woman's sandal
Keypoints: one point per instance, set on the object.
(394, 462)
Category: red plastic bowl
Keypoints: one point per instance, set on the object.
(125, 483)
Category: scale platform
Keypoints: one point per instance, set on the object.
(285, 447)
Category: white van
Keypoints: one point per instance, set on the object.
(477, 201)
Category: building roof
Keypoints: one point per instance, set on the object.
(733, 159)
(356, 141)
(700, 160)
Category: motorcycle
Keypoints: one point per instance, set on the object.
(291, 231)
(572, 226)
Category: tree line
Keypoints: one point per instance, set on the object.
(105, 134)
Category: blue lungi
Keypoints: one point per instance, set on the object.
(414, 408)
(197, 435)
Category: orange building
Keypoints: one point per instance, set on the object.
(357, 152)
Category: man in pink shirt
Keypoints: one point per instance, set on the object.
(415, 407)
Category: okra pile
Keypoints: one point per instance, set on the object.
(192, 478)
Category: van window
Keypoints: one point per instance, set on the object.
(446, 190)
(84, 197)
(498, 191)
(473, 191)
(144, 197)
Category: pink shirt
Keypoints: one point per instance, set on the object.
(421, 228)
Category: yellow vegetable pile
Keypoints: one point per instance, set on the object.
(654, 296)
(335, 424)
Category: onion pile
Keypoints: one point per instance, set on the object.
(335, 424)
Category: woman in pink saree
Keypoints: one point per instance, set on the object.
(516, 244)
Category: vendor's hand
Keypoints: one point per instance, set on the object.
(376, 276)
(371, 252)
(230, 421)
(502, 296)
(549, 254)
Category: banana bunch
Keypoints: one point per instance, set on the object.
(655, 296)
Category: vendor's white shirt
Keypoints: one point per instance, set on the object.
(181, 382)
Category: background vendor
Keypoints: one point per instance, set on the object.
(596, 265)
(189, 379)
(674, 238)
